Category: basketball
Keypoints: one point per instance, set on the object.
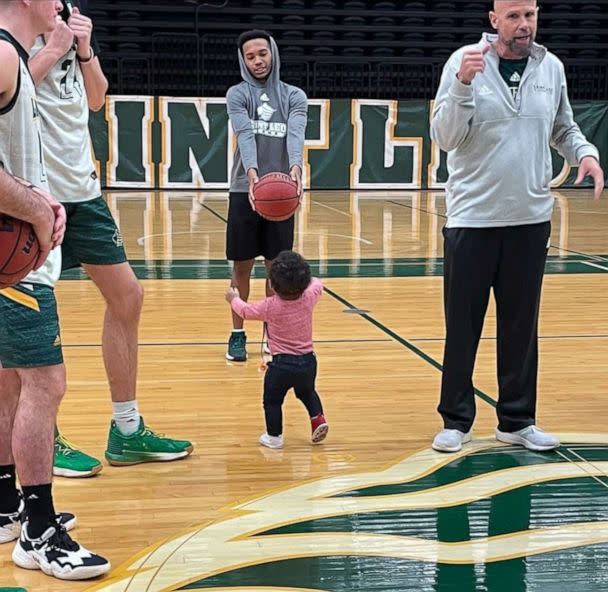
(19, 250)
(276, 197)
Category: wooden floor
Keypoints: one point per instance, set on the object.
(378, 373)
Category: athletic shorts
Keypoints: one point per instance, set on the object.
(91, 235)
(248, 235)
(29, 327)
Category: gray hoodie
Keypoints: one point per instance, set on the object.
(499, 157)
(269, 119)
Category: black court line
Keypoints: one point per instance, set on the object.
(212, 211)
(215, 343)
(384, 328)
(402, 205)
(403, 342)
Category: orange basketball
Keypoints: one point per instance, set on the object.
(276, 197)
(19, 249)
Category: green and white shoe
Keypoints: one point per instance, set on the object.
(70, 461)
(237, 347)
(143, 446)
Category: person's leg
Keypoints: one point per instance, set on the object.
(32, 441)
(10, 501)
(470, 258)
(518, 291)
(277, 381)
(124, 297)
(43, 542)
(304, 387)
(243, 233)
(94, 241)
(241, 279)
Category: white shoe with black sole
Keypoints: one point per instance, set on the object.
(57, 555)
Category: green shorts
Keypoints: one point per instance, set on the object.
(29, 327)
(91, 235)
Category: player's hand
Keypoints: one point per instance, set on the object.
(232, 293)
(473, 62)
(60, 216)
(296, 175)
(43, 229)
(82, 27)
(253, 179)
(61, 39)
(590, 167)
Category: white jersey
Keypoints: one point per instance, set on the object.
(21, 149)
(64, 109)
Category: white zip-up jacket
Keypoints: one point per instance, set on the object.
(499, 157)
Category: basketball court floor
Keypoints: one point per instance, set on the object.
(372, 509)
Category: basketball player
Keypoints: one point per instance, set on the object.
(69, 82)
(269, 120)
(500, 106)
(32, 381)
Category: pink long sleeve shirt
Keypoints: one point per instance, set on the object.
(289, 321)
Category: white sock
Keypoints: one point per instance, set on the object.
(126, 415)
(238, 330)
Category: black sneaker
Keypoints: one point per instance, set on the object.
(10, 524)
(57, 555)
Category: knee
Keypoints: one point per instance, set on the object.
(54, 386)
(242, 270)
(128, 306)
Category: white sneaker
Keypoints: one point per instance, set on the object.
(57, 555)
(10, 524)
(532, 437)
(451, 440)
(271, 441)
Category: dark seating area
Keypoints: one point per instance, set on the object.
(331, 48)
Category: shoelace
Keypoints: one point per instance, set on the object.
(65, 446)
(61, 540)
(150, 432)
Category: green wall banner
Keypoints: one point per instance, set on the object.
(144, 142)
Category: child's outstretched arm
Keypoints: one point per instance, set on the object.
(256, 311)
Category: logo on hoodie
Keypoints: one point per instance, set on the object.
(263, 126)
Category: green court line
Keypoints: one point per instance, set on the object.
(407, 344)
(199, 269)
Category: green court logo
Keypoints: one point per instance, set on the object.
(490, 518)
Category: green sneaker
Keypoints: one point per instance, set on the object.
(143, 446)
(69, 461)
(237, 351)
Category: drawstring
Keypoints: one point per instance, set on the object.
(263, 366)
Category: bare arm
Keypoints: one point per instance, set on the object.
(9, 73)
(57, 44)
(95, 81)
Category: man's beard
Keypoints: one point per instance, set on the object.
(521, 50)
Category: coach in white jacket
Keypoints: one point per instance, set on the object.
(500, 106)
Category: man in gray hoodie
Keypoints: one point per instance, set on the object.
(269, 120)
(500, 106)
